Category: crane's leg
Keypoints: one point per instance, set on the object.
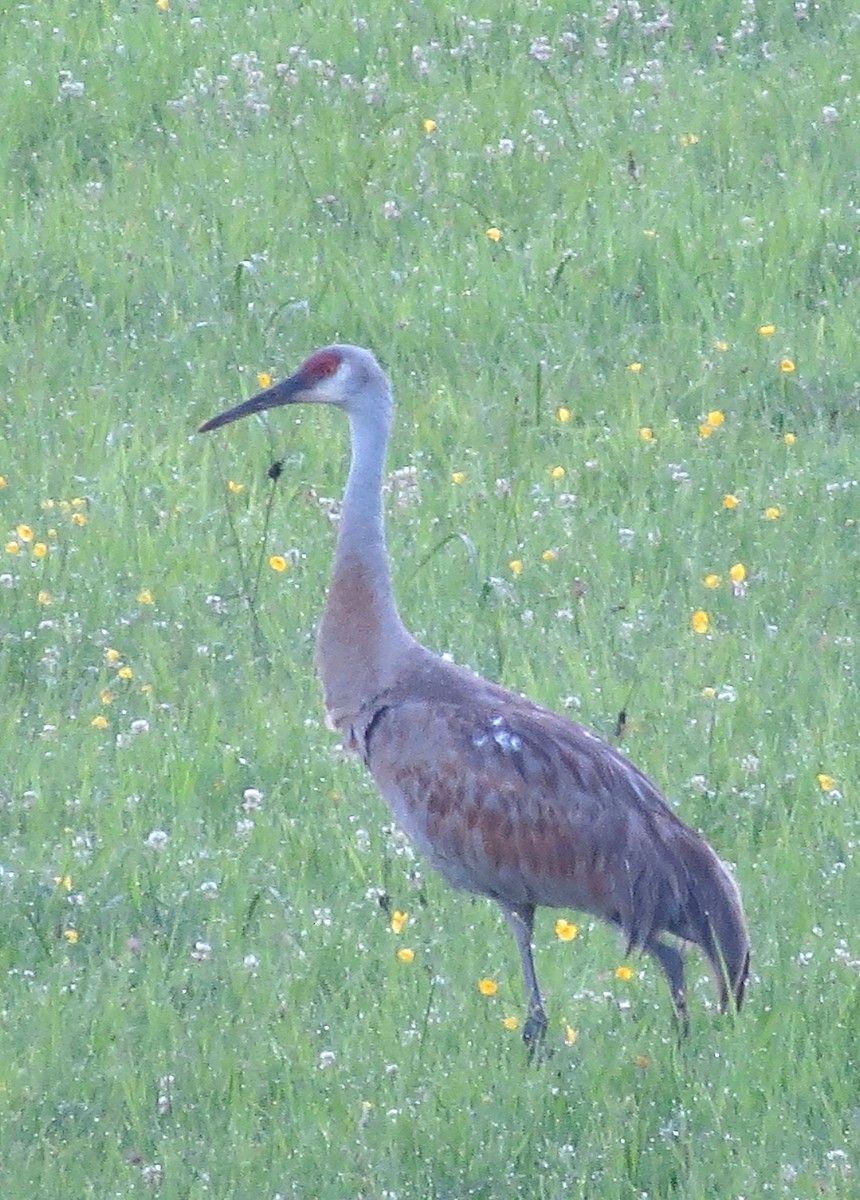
(672, 962)
(521, 919)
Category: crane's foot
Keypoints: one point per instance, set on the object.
(682, 1016)
(534, 1035)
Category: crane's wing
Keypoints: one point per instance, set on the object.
(511, 801)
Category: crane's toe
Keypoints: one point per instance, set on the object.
(534, 1032)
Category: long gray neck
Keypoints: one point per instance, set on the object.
(361, 637)
(361, 531)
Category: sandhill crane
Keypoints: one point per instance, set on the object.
(504, 798)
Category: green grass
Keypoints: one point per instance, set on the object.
(233, 1009)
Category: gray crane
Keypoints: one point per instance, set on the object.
(503, 797)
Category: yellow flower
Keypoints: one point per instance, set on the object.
(646, 433)
(113, 656)
(458, 477)
(563, 414)
(716, 418)
(12, 547)
(164, 5)
(47, 504)
(786, 365)
(709, 693)
(25, 533)
(549, 556)
(40, 550)
(495, 235)
(706, 430)
(2, 481)
(688, 139)
(79, 518)
(721, 346)
(44, 597)
(558, 472)
(767, 330)
(570, 1035)
(634, 367)
(106, 696)
(789, 438)
(730, 501)
(65, 506)
(712, 581)
(234, 487)
(700, 621)
(52, 533)
(405, 954)
(625, 974)
(511, 1022)
(71, 936)
(100, 722)
(145, 597)
(147, 689)
(516, 566)
(278, 563)
(125, 673)
(773, 512)
(737, 573)
(487, 987)
(429, 125)
(826, 782)
(399, 920)
(64, 881)
(565, 931)
(78, 502)
(264, 379)
(650, 232)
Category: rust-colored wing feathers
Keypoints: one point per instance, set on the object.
(514, 802)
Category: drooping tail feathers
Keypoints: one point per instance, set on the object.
(713, 917)
(726, 942)
(688, 891)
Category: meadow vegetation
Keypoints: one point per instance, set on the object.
(609, 257)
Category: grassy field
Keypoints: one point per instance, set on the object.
(610, 261)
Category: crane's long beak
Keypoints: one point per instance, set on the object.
(285, 392)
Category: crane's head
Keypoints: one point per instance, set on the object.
(347, 376)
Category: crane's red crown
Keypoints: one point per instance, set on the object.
(321, 365)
